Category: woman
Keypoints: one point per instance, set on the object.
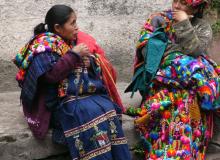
(67, 81)
(179, 84)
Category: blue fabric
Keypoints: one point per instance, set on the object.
(89, 82)
(40, 65)
(90, 125)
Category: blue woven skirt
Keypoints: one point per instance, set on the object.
(92, 128)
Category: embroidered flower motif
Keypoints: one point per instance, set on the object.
(41, 43)
(40, 48)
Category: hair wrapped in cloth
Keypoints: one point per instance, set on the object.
(195, 3)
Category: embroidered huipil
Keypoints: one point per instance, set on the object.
(86, 117)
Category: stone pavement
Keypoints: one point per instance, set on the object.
(17, 142)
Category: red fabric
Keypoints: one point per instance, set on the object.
(90, 42)
(195, 3)
(108, 76)
(108, 72)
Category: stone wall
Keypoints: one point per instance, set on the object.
(114, 23)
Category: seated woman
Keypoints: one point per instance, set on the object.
(179, 84)
(67, 82)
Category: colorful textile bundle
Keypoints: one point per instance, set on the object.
(163, 20)
(46, 42)
(174, 120)
(197, 74)
(170, 129)
(150, 49)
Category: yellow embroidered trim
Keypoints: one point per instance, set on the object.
(119, 141)
(90, 124)
(97, 152)
(104, 149)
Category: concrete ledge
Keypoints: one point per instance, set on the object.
(17, 142)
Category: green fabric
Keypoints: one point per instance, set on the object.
(155, 48)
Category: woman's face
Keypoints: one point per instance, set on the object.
(183, 6)
(69, 30)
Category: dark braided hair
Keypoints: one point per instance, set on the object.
(58, 14)
(201, 8)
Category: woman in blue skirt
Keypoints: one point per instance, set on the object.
(67, 83)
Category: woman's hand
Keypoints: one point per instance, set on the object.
(179, 15)
(86, 61)
(81, 49)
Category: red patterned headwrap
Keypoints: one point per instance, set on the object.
(195, 3)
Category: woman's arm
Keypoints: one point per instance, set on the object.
(193, 41)
(61, 68)
(65, 64)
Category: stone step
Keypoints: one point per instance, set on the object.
(17, 142)
(10, 98)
